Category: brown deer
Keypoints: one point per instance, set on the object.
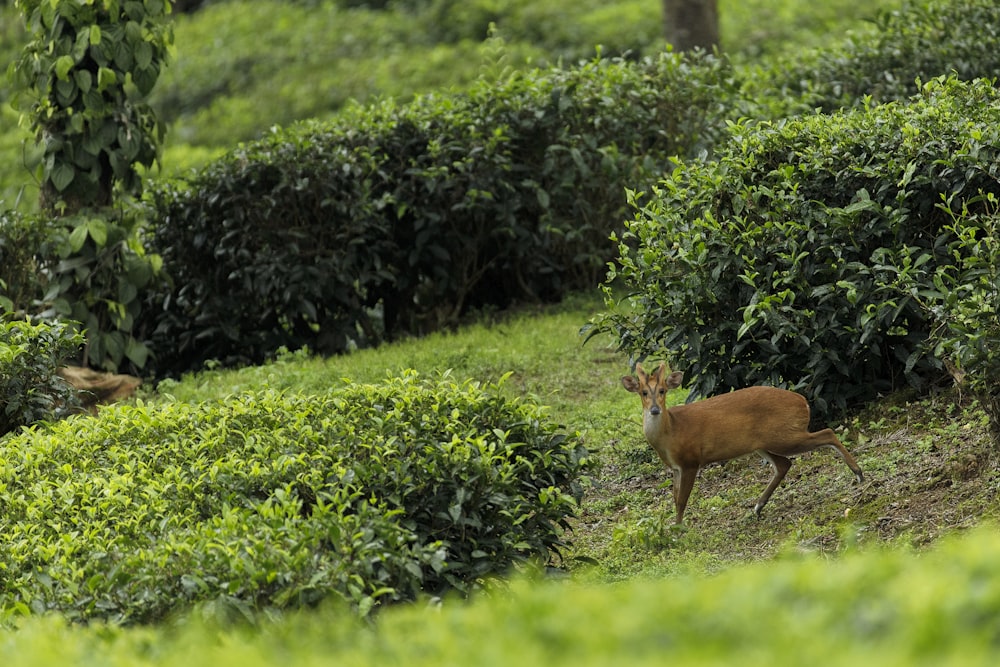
(772, 422)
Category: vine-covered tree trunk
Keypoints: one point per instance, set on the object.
(82, 80)
(691, 24)
(93, 190)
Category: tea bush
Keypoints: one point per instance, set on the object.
(399, 220)
(30, 389)
(779, 262)
(962, 298)
(231, 81)
(757, 31)
(561, 33)
(918, 40)
(890, 607)
(370, 493)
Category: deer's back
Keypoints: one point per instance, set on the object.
(746, 419)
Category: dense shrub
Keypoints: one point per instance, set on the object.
(628, 27)
(962, 298)
(756, 31)
(399, 219)
(30, 389)
(98, 275)
(370, 493)
(88, 270)
(21, 241)
(780, 262)
(231, 81)
(892, 606)
(919, 40)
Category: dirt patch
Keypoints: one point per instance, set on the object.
(96, 388)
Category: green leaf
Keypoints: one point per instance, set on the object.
(84, 80)
(63, 65)
(127, 292)
(93, 101)
(77, 238)
(123, 57)
(143, 55)
(106, 78)
(98, 230)
(62, 175)
(129, 143)
(543, 198)
(138, 271)
(114, 345)
(145, 78)
(66, 92)
(136, 352)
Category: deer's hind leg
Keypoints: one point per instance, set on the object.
(827, 438)
(781, 465)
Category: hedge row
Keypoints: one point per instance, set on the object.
(398, 220)
(810, 253)
(878, 606)
(917, 41)
(373, 494)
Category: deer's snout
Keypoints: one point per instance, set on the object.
(655, 410)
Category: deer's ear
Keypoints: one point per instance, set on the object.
(674, 380)
(630, 383)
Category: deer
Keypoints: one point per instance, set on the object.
(770, 421)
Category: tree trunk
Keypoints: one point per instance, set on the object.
(80, 193)
(690, 24)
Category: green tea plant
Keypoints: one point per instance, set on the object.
(30, 388)
(400, 219)
(892, 607)
(772, 264)
(906, 44)
(757, 32)
(230, 81)
(962, 297)
(369, 493)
